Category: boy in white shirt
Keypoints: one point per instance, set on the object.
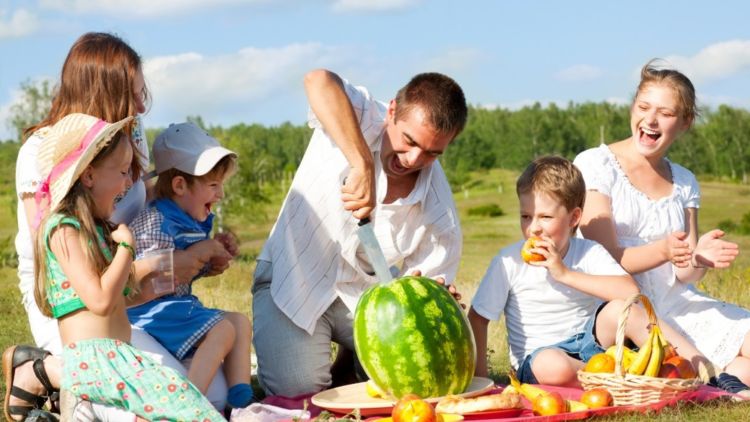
(554, 314)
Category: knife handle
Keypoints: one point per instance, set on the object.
(363, 221)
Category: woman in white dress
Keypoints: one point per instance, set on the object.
(644, 209)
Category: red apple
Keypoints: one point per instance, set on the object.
(669, 370)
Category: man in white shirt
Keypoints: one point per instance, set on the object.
(365, 158)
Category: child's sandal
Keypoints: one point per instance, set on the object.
(13, 357)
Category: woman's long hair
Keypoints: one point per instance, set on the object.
(97, 79)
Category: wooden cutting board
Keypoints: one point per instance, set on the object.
(346, 398)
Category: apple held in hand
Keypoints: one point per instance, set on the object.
(526, 253)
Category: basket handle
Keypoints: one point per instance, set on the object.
(621, 322)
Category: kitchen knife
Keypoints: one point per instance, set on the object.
(373, 251)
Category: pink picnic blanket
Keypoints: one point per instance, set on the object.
(704, 393)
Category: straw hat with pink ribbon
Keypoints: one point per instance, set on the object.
(69, 147)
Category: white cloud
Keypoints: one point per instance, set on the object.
(717, 61)
(229, 87)
(617, 101)
(714, 101)
(20, 23)
(452, 61)
(578, 73)
(372, 5)
(140, 8)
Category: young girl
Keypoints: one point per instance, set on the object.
(102, 76)
(644, 209)
(83, 273)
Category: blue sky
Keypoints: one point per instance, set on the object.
(235, 61)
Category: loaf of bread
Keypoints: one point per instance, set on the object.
(460, 405)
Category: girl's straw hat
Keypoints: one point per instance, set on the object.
(69, 147)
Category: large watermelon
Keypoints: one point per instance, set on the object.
(411, 336)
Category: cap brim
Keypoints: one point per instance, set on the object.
(207, 161)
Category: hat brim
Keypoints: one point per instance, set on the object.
(60, 187)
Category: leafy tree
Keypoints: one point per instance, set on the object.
(33, 106)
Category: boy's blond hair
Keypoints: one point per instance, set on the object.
(555, 176)
(224, 169)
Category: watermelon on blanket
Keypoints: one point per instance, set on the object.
(411, 336)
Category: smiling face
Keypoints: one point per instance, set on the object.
(656, 119)
(109, 178)
(198, 199)
(410, 144)
(544, 215)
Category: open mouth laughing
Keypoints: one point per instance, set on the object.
(397, 167)
(648, 136)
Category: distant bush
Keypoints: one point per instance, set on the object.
(728, 226)
(487, 210)
(742, 228)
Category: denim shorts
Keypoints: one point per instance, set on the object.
(581, 346)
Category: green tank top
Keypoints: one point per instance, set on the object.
(63, 299)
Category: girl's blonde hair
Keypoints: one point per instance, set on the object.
(78, 204)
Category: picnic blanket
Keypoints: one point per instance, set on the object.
(704, 393)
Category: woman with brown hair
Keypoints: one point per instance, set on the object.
(102, 76)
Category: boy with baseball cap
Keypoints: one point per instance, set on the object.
(192, 167)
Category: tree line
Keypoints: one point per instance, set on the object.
(718, 145)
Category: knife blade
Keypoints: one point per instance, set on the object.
(373, 251)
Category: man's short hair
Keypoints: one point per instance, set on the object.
(555, 176)
(440, 97)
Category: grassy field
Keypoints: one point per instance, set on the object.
(483, 237)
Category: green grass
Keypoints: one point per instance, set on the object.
(483, 237)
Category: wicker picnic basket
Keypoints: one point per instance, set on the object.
(628, 389)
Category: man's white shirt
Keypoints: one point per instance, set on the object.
(314, 247)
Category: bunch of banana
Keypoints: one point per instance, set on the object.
(650, 356)
(531, 393)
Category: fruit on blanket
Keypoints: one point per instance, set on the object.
(687, 370)
(549, 404)
(532, 393)
(669, 370)
(576, 406)
(411, 408)
(526, 253)
(411, 336)
(527, 390)
(596, 398)
(600, 362)
(627, 356)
